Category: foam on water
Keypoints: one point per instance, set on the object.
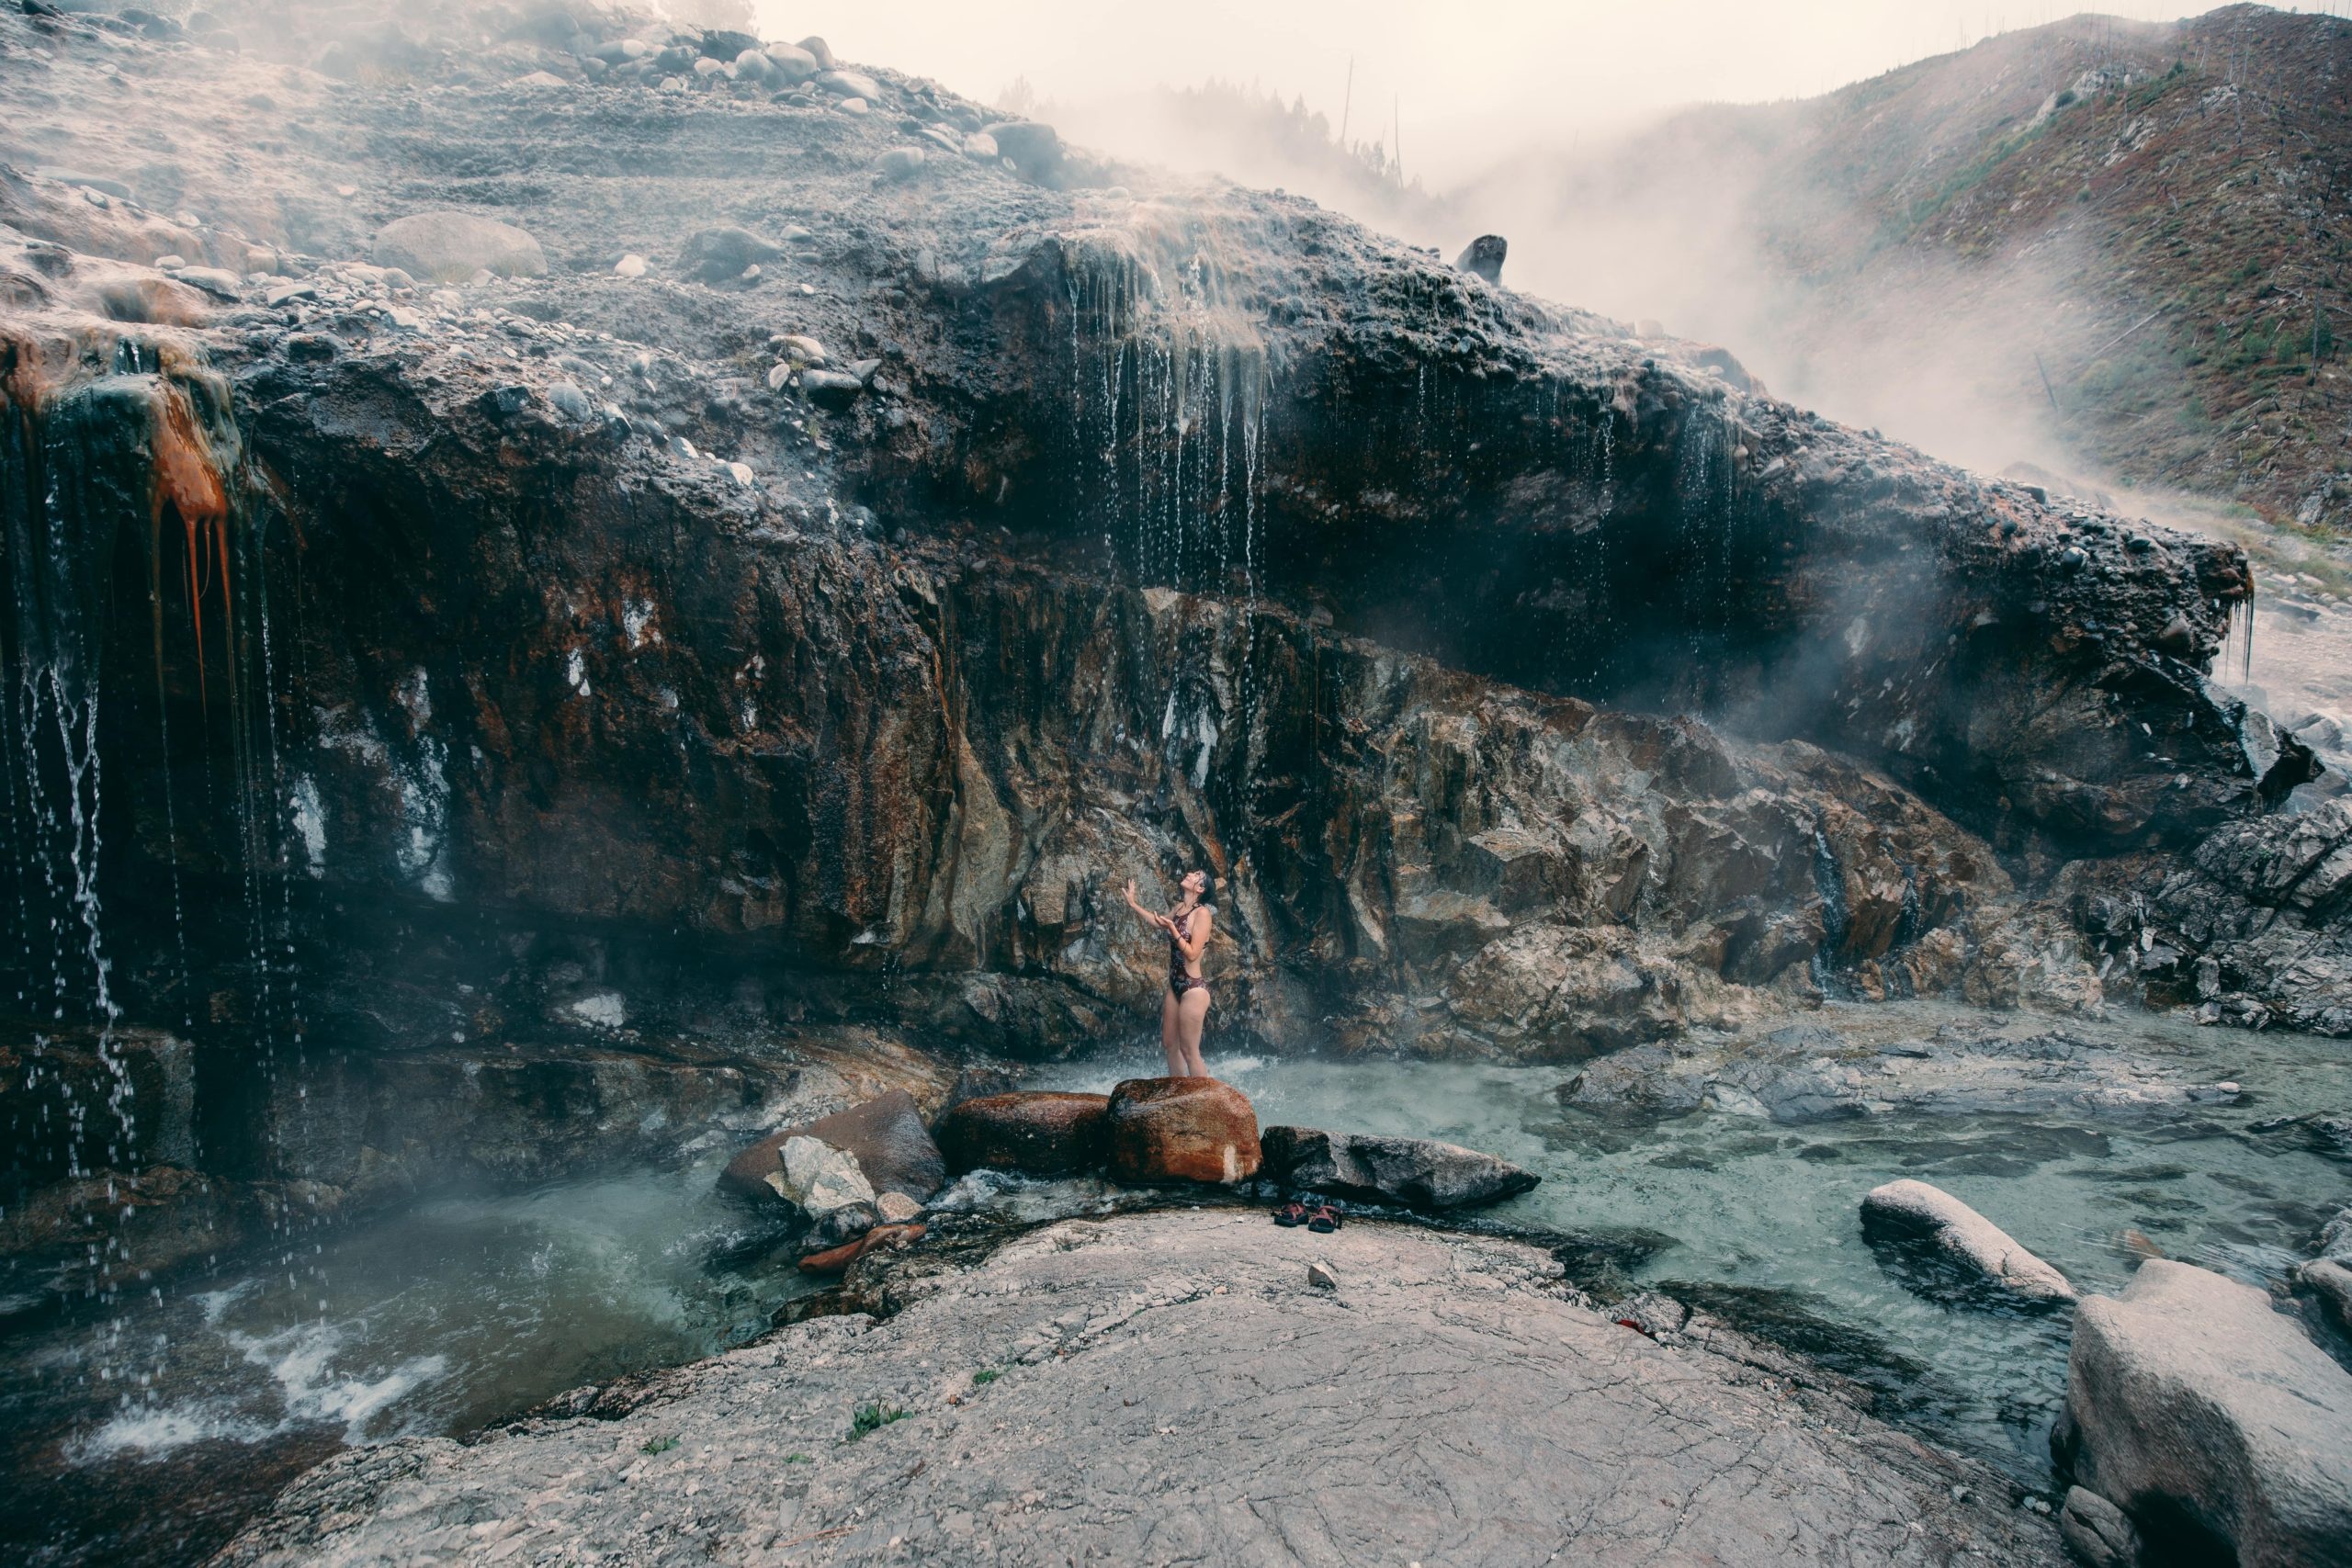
(303, 1361)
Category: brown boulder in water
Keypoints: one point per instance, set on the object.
(1035, 1133)
(887, 1136)
(1182, 1130)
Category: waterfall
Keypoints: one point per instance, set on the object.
(98, 471)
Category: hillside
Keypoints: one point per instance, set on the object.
(2100, 244)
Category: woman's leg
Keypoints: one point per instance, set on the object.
(1191, 1017)
(1171, 1034)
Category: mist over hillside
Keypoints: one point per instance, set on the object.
(2103, 247)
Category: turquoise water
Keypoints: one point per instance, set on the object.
(1761, 1220)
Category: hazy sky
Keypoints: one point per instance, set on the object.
(1471, 78)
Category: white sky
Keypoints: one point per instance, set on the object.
(1473, 77)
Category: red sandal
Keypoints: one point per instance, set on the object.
(1324, 1220)
(1290, 1213)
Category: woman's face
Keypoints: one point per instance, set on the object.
(1195, 882)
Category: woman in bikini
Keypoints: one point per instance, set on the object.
(1184, 1007)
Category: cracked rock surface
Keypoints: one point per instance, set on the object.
(1169, 1387)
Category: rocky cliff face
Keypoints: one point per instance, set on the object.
(745, 637)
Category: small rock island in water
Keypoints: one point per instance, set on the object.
(662, 692)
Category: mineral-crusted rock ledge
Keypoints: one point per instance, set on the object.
(1169, 1387)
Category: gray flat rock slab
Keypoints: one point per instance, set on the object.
(1170, 1388)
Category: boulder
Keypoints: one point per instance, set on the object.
(790, 63)
(850, 85)
(830, 389)
(451, 247)
(1420, 1173)
(1035, 1133)
(885, 1135)
(1034, 147)
(2099, 1534)
(900, 162)
(1483, 255)
(1182, 1130)
(1912, 1214)
(715, 255)
(2211, 1420)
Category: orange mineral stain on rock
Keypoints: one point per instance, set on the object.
(186, 483)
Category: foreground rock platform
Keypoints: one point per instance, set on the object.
(1169, 1388)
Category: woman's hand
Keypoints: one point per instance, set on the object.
(1157, 923)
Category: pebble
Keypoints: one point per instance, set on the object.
(852, 107)
(1320, 1276)
(802, 349)
(629, 266)
(742, 472)
(980, 145)
(900, 162)
(777, 376)
(166, 263)
(286, 293)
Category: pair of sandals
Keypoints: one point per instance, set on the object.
(1322, 1218)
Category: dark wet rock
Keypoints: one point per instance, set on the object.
(2096, 1532)
(1182, 1130)
(451, 247)
(1419, 1173)
(718, 255)
(885, 1135)
(1104, 1333)
(1914, 1215)
(1035, 1134)
(2253, 927)
(1483, 255)
(2210, 1419)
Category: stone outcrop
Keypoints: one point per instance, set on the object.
(1159, 1384)
(1181, 1130)
(2210, 1420)
(1419, 1173)
(602, 688)
(885, 1139)
(1037, 1133)
(2253, 927)
(1913, 1213)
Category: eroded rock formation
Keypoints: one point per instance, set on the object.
(562, 667)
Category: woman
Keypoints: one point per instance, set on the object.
(1184, 1009)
